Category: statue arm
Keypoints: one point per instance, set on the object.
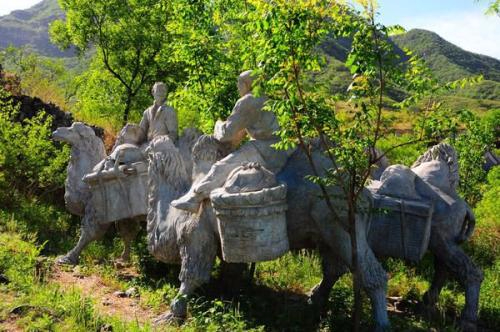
(233, 129)
(172, 124)
(144, 124)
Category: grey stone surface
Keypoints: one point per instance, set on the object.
(247, 117)
(187, 231)
(433, 178)
(86, 151)
(192, 239)
(104, 189)
(251, 215)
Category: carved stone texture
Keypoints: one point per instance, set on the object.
(309, 224)
(410, 196)
(400, 228)
(115, 186)
(119, 195)
(251, 214)
(86, 151)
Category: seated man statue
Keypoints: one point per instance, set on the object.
(159, 119)
(133, 140)
(247, 117)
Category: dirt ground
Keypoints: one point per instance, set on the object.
(107, 300)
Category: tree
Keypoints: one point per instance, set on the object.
(493, 7)
(213, 50)
(288, 37)
(129, 36)
(45, 78)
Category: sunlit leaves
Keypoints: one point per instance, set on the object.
(130, 36)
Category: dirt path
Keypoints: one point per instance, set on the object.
(107, 301)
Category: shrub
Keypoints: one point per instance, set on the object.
(30, 163)
(471, 146)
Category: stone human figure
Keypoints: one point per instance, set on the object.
(126, 149)
(247, 117)
(159, 119)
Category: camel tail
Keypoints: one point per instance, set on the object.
(468, 226)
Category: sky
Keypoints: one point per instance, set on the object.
(461, 22)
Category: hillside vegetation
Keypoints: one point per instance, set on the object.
(449, 62)
(29, 28)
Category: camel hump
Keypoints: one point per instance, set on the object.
(398, 181)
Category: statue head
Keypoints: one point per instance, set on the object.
(159, 92)
(245, 81)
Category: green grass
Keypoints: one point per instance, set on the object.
(274, 302)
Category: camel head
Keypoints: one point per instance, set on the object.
(167, 171)
(439, 167)
(206, 151)
(86, 151)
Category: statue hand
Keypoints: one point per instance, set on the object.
(219, 130)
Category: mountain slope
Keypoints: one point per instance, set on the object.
(448, 61)
(30, 28)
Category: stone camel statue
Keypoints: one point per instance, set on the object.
(434, 177)
(87, 150)
(191, 239)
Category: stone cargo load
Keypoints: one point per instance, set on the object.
(119, 195)
(400, 228)
(250, 211)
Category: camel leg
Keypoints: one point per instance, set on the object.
(373, 276)
(192, 276)
(198, 249)
(374, 282)
(438, 282)
(332, 269)
(128, 230)
(90, 231)
(466, 272)
(178, 306)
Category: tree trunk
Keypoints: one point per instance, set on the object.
(357, 310)
(128, 105)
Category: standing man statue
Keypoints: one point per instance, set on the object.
(247, 117)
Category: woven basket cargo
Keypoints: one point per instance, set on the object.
(252, 225)
(400, 228)
(116, 197)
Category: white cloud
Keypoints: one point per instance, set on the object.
(473, 32)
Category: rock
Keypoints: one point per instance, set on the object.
(30, 107)
(106, 302)
(132, 292)
(120, 294)
(106, 328)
